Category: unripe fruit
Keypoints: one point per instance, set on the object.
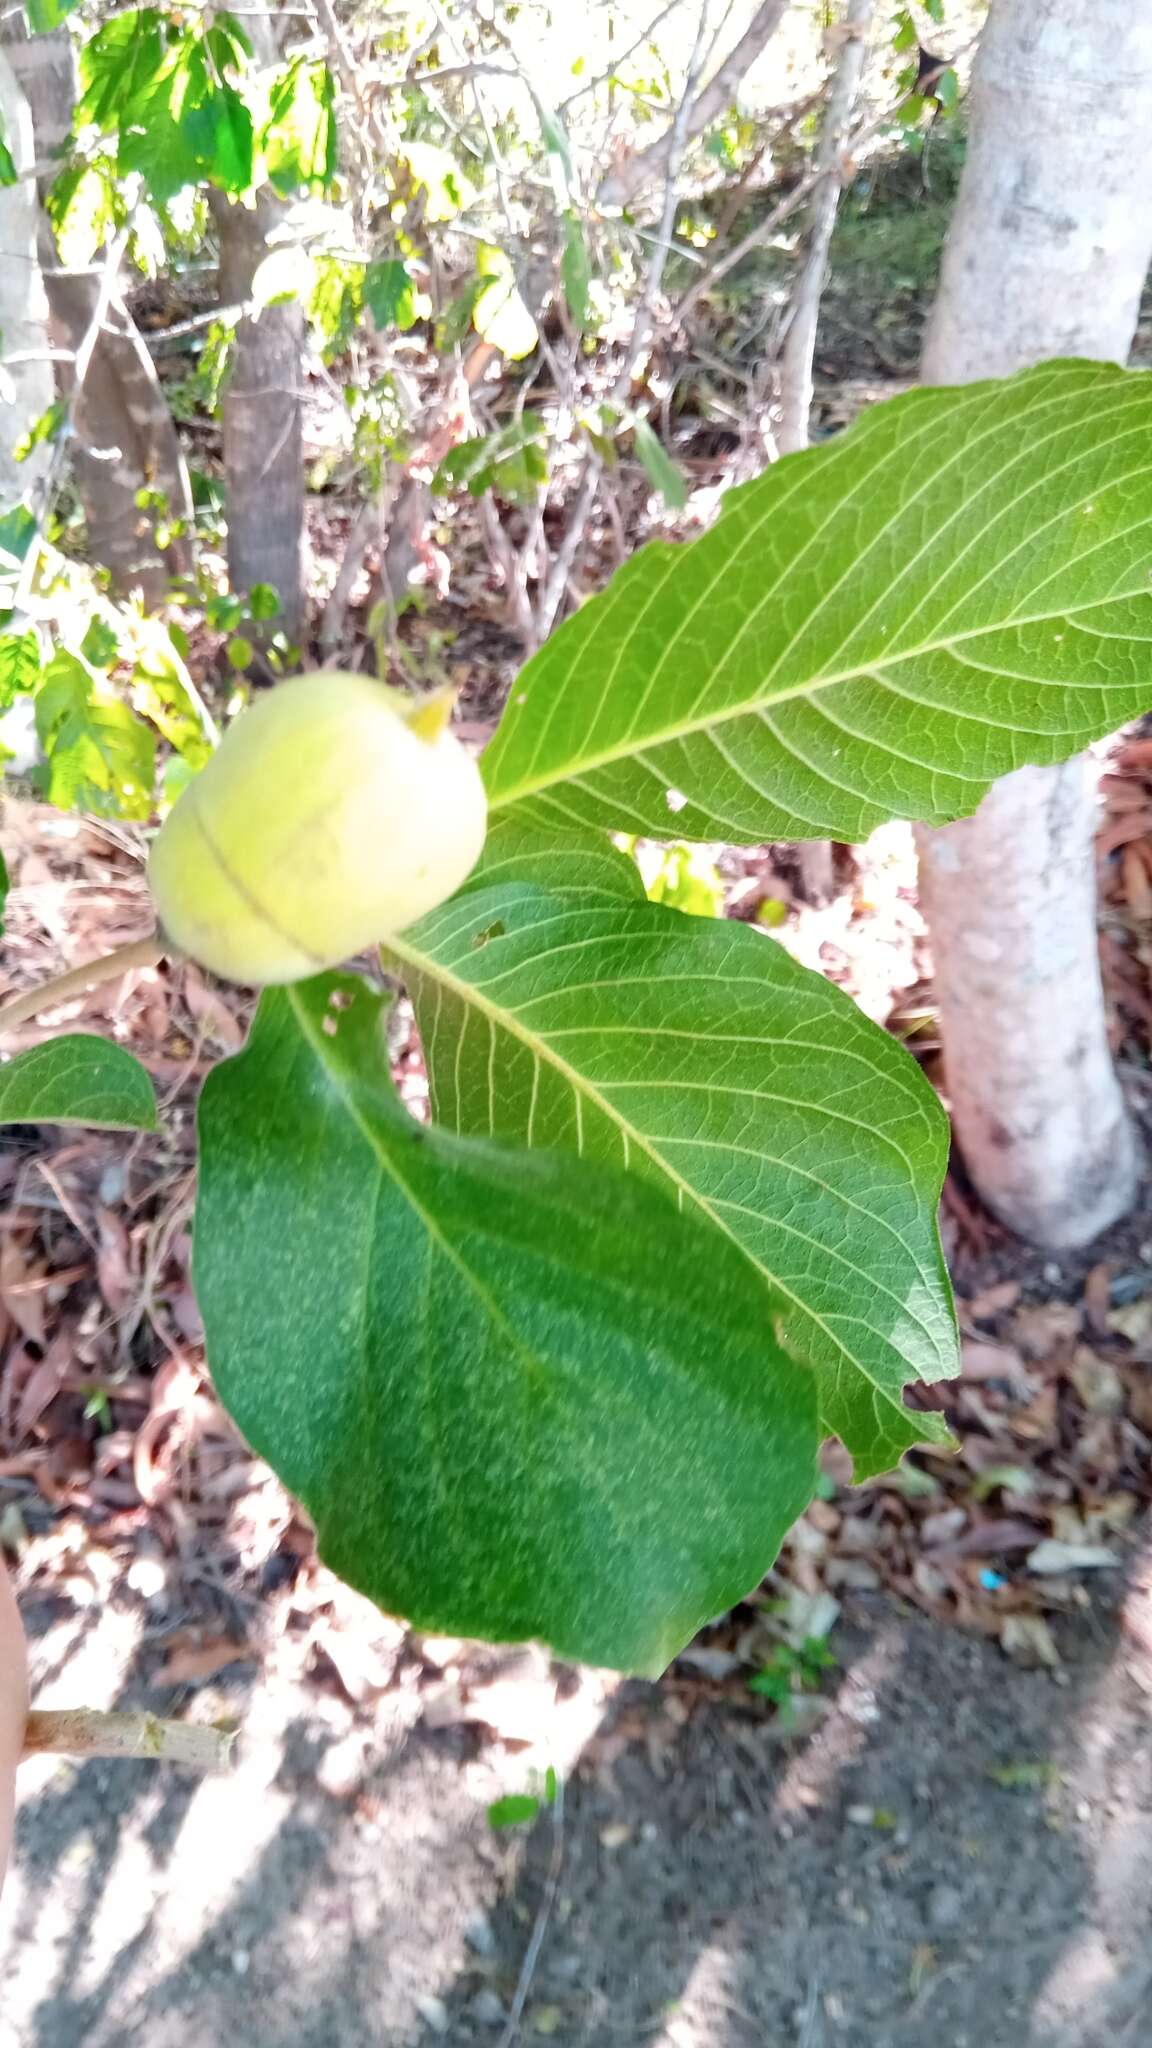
(326, 820)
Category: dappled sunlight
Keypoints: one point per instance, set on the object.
(1099, 1986)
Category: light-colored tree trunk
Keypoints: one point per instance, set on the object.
(27, 388)
(1047, 256)
(125, 440)
(263, 422)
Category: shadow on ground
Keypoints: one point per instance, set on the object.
(961, 1854)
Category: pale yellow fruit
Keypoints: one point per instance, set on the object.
(326, 820)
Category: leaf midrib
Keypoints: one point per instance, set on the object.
(873, 669)
(583, 1089)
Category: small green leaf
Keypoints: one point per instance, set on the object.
(947, 90)
(9, 175)
(42, 430)
(520, 1394)
(390, 295)
(18, 528)
(240, 653)
(515, 1810)
(45, 15)
(77, 1079)
(512, 462)
(19, 665)
(576, 271)
(98, 756)
(659, 467)
(263, 602)
(101, 644)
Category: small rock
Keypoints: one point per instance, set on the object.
(945, 1906)
(434, 2011)
(616, 1834)
(487, 2009)
(479, 1935)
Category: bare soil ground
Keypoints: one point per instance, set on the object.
(961, 1852)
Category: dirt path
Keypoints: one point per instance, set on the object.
(961, 1854)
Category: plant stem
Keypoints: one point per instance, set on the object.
(83, 1732)
(78, 980)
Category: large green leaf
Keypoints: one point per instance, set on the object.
(77, 1079)
(699, 1055)
(877, 627)
(520, 1394)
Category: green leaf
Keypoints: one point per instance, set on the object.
(520, 1395)
(18, 529)
(447, 190)
(659, 467)
(512, 462)
(45, 15)
(19, 665)
(576, 271)
(163, 690)
(515, 1810)
(298, 141)
(876, 628)
(78, 1079)
(263, 601)
(100, 646)
(699, 1055)
(390, 295)
(9, 175)
(42, 430)
(98, 756)
(568, 863)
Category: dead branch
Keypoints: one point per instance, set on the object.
(622, 183)
(82, 1732)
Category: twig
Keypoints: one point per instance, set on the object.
(622, 184)
(82, 1732)
(766, 228)
(532, 1952)
(799, 348)
(550, 598)
(645, 36)
(78, 980)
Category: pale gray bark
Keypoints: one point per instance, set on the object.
(125, 439)
(263, 434)
(28, 386)
(1047, 256)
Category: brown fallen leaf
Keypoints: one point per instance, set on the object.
(980, 1361)
(193, 1665)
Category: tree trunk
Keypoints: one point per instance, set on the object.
(263, 441)
(1047, 256)
(28, 387)
(125, 438)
